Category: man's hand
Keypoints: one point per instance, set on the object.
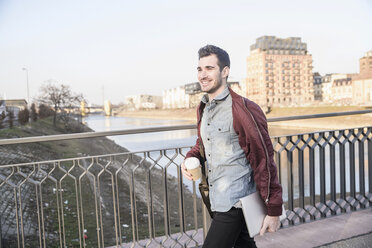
(271, 224)
(185, 172)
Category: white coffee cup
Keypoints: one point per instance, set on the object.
(192, 165)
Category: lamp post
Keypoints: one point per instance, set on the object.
(28, 92)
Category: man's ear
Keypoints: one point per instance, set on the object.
(225, 72)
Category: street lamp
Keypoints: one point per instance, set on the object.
(28, 92)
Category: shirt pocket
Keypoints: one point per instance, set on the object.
(222, 127)
(222, 137)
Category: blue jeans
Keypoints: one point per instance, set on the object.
(228, 229)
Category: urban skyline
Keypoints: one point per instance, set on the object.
(140, 48)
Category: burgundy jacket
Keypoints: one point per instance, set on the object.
(250, 124)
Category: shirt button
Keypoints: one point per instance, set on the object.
(209, 155)
(211, 185)
(209, 170)
(208, 139)
(209, 124)
(219, 129)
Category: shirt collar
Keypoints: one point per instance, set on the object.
(220, 97)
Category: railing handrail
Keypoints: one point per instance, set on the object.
(302, 117)
(157, 129)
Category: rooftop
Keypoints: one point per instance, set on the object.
(275, 43)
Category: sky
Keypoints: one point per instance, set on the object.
(116, 48)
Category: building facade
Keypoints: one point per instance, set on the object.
(279, 72)
(143, 102)
(362, 91)
(317, 82)
(342, 91)
(362, 83)
(175, 98)
(327, 84)
(365, 64)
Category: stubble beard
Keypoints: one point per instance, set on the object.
(215, 86)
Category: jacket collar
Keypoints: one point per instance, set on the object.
(220, 97)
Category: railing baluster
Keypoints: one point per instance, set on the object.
(114, 199)
(77, 205)
(312, 174)
(133, 206)
(37, 185)
(63, 233)
(352, 168)
(16, 215)
(370, 163)
(301, 178)
(150, 213)
(181, 200)
(166, 200)
(342, 171)
(362, 190)
(118, 230)
(332, 165)
(322, 174)
(290, 177)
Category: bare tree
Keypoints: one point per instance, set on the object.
(33, 112)
(2, 118)
(23, 116)
(10, 117)
(60, 98)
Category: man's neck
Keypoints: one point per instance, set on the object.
(216, 93)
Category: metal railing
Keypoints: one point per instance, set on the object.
(324, 173)
(140, 199)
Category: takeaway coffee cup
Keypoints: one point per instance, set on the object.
(192, 165)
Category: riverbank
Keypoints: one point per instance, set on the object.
(340, 122)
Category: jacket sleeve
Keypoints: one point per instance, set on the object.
(195, 150)
(259, 157)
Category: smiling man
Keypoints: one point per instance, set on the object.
(234, 142)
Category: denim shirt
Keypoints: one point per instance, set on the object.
(230, 176)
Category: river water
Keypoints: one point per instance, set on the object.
(151, 141)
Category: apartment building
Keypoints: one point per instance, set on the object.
(365, 64)
(342, 91)
(279, 72)
(362, 83)
(175, 98)
(362, 91)
(317, 83)
(143, 102)
(327, 84)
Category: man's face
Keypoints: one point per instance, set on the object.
(209, 75)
